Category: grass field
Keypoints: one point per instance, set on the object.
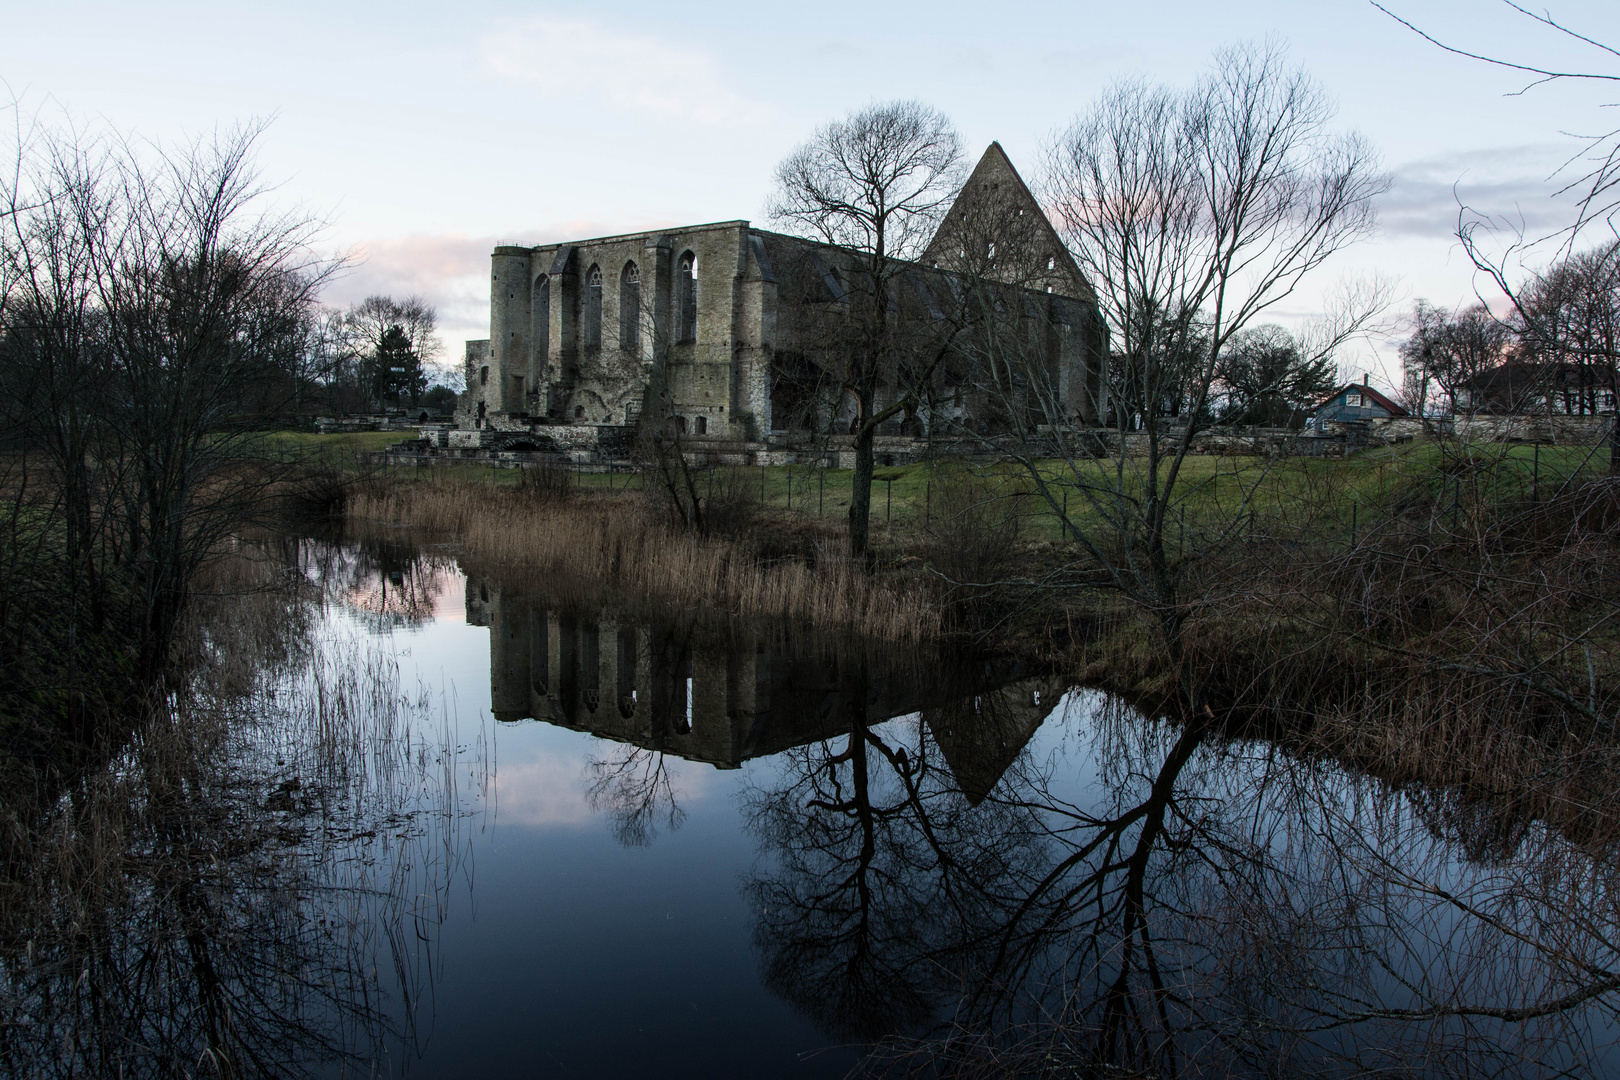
(1337, 494)
(337, 446)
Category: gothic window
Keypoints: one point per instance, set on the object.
(630, 308)
(483, 376)
(593, 308)
(542, 319)
(579, 412)
(686, 298)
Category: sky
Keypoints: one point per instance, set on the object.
(422, 134)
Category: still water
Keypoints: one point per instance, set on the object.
(460, 821)
(624, 867)
(703, 849)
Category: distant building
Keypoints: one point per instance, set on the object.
(1352, 403)
(1531, 388)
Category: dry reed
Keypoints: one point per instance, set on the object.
(275, 845)
(609, 541)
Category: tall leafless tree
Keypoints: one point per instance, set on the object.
(1450, 351)
(154, 305)
(377, 327)
(1192, 213)
(877, 182)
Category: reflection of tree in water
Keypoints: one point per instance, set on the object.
(239, 892)
(632, 786)
(1210, 907)
(887, 880)
(388, 582)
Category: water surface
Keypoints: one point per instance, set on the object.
(471, 822)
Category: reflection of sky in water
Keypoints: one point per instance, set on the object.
(572, 955)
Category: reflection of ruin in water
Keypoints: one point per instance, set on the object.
(724, 697)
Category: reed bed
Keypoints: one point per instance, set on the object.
(610, 540)
(276, 844)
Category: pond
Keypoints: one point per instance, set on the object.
(507, 829)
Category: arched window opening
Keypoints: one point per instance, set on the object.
(703, 425)
(579, 412)
(483, 376)
(630, 308)
(680, 424)
(541, 306)
(686, 297)
(593, 308)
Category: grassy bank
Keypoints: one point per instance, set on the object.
(609, 539)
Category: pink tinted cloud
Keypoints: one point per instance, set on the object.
(449, 271)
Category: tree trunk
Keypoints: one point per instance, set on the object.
(1614, 444)
(860, 493)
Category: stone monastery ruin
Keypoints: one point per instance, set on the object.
(739, 336)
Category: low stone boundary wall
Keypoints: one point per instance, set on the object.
(603, 446)
(1567, 430)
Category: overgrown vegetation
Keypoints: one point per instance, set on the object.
(624, 542)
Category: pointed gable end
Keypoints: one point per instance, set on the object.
(997, 224)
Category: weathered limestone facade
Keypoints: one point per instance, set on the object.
(732, 328)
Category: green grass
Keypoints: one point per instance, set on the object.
(343, 444)
(1321, 492)
(1209, 490)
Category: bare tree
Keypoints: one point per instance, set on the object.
(877, 182)
(1450, 351)
(389, 342)
(1192, 213)
(1268, 377)
(1568, 326)
(1501, 249)
(155, 308)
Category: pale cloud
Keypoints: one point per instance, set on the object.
(1511, 183)
(577, 58)
(550, 790)
(546, 791)
(451, 272)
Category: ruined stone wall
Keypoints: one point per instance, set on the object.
(767, 350)
(474, 403)
(578, 364)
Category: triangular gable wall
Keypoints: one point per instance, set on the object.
(995, 183)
